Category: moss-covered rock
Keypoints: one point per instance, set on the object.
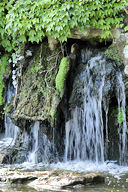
(117, 51)
(113, 53)
(37, 97)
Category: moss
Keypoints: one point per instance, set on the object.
(115, 52)
(118, 116)
(112, 53)
(37, 95)
(4, 74)
(61, 75)
(8, 108)
(52, 113)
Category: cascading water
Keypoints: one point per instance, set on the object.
(84, 132)
(41, 151)
(122, 130)
(11, 130)
(87, 132)
(106, 109)
(32, 156)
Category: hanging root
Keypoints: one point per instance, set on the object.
(126, 11)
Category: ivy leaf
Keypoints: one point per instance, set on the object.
(126, 28)
(22, 38)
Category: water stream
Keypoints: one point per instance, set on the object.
(32, 156)
(11, 130)
(85, 138)
(84, 132)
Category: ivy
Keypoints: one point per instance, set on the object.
(32, 20)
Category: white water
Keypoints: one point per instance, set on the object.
(32, 156)
(11, 130)
(89, 166)
(84, 132)
(46, 146)
(121, 117)
(106, 109)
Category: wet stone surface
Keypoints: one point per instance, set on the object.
(49, 180)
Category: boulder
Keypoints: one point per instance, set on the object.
(60, 179)
(48, 179)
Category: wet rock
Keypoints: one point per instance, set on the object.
(51, 179)
(20, 179)
(76, 97)
(2, 156)
(12, 176)
(56, 180)
(40, 101)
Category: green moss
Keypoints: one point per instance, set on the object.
(4, 71)
(114, 52)
(9, 107)
(119, 116)
(38, 97)
(35, 69)
(61, 75)
(52, 113)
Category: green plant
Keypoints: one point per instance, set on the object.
(32, 20)
(61, 75)
(3, 71)
(112, 53)
(35, 69)
(120, 116)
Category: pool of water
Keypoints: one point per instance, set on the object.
(116, 177)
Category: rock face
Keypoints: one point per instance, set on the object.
(119, 48)
(36, 97)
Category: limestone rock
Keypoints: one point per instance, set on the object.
(60, 179)
(20, 179)
(49, 180)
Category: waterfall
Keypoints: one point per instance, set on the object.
(41, 148)
(122, 130)
(32, 156)
(106, 109)
(86, 131)
(11, 130)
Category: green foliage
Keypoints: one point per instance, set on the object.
(5, 39)
(22, 20)
(61, 75)
(3, 71)
(120, 117)
(126, 28)
(35, 69)
(112, 53)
